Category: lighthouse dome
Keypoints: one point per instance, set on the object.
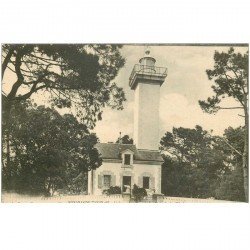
(147, 60)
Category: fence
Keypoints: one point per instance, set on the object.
(148, 70)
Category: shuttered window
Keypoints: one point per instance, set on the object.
(145, 182)
(107, 181)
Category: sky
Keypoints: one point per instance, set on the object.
(185, 84)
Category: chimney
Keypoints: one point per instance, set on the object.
(120, 138)
(146, 80)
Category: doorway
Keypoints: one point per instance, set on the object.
(126, 184)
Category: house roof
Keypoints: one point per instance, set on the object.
(114, 151)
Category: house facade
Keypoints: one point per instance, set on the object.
(125, 164)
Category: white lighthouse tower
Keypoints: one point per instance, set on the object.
(126, 165)
(146, 80)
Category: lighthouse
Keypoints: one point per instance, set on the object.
(126, 165)
(146, 80)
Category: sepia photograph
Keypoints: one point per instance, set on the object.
(124, 123)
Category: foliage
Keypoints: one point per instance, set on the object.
(199, 165)
(230, 186)
(230, 75)
(80, 77)
(231, 182)
(48, 150)
(113, 190)
(78, 185)
(184, 180)
(72, 74)
(138, 193)
(193, 146)
(125, 140)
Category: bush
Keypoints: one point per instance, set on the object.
(113, 190)
(231, 187)
(138, 193)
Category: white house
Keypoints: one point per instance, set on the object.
(125, 164)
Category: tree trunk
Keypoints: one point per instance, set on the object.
(7, 117)
(245, 156)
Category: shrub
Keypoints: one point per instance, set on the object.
(231, 187)
(113, 190)
(138, 193)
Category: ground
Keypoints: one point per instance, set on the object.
(17, 198)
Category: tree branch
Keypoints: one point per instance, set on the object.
(230, 108)
(242, 87)
(11, 69)
(6, 60)
(228, 82)
(18, 64)
(32, 90)
(47, 60)
(20, 77)
(20, 81)
(230, 146)
(15, 71)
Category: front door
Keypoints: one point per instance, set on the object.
(126, 184)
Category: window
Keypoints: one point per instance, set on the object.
(106, 181)
(127, 159)
(145, 182)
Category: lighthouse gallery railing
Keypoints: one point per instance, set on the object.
(149, 70)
